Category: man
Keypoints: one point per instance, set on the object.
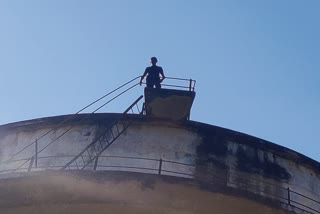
(153, 74)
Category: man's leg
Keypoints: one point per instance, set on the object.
(157, 85)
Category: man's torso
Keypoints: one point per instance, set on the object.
(153, 72)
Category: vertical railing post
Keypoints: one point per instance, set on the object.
(36, 154)
(289, 200)
(31, 163)
(190, 84)
(160, 167)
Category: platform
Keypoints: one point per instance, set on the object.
(168, 104)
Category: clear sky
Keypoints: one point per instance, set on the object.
(256, 62)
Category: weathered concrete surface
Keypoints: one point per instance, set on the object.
(98, 192)
(254, 159)
(168, 104)
(232, 159)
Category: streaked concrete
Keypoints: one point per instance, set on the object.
(241, 162)
(100, 193)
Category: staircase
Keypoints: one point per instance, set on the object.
(88, 157)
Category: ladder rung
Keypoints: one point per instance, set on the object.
(95, 148)
(82, 159)
(88, 152)
(104, 140)
(101, 144)
(76, 164)
(117, 128)
(98, 147)
(112, 134)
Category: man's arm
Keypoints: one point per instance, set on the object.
(142, 77)
(162, 74)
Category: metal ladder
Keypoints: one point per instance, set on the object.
(92, 152)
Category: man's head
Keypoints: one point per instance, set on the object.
(154, 60)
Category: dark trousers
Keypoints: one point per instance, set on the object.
(150, 84)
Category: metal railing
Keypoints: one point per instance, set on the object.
(285, 195)
(92, 152)
(180, 83)
(191, 83)
(124, 87)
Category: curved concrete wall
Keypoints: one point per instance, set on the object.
(211, 155)
(118, 193)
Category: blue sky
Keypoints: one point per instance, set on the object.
(256, 62)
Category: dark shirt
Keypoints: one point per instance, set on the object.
(153, 73)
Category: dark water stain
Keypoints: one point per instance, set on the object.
(250, 162)
(214, 149)
(212, 145)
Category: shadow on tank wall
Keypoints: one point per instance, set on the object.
(223, 148)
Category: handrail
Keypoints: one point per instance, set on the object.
(164, 167)
(176, 78)
(190, 85)
(72, 116)
(305, 196)
(85, 117)
(97, 140)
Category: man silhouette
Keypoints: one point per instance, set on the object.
(153, 74)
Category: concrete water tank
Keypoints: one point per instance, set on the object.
(154, 166)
